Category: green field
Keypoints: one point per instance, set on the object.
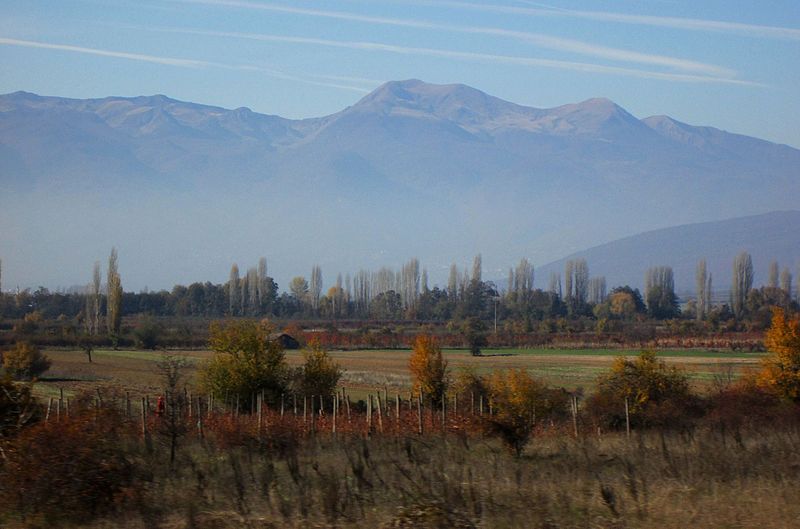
(366, 370)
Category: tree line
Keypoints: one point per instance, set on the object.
(387, 294)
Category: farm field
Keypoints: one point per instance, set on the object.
(365, 370)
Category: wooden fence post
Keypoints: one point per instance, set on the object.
(419, 414)
(397, 410)
(627, 420)
(144, 418)
(575, 415)
(335, 409)
(260, 405)
(127, 404)
(369, 413)
(49, 406)
(199, 418)
(480, 405)
(380, 409)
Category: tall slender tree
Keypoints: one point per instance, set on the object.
(701, 277)
(113, 296)
(742, 282)
(233, 291)
(786, 281)
(315, 287)
(773, 275)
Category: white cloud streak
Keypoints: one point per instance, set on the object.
(466, 56)
(536, 39)
(169, 61)
(688, 24)
(327, 81)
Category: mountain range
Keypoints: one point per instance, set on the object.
(440, 172)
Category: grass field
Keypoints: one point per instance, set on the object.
(136, 370)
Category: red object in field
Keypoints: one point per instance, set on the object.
(160, 405)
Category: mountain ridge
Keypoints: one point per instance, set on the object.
(437, 171)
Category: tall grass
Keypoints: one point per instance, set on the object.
(705, 478)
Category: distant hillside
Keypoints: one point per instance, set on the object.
(773, 236)
(440, 172)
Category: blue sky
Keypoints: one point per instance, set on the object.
(731, 64)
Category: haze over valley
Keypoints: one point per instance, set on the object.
(439, 172)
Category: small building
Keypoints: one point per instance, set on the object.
(287, 341)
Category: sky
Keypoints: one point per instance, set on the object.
(730, 64)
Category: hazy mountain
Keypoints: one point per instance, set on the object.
(772, 236)
(440, 172)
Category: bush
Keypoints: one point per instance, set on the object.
(319, 374)
(246, 361)
(148, 333)
(24, 361)
(72, 470)
(17, 406)
(518, 400)
(657, 395)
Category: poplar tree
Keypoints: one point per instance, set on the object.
(233, 290)
(742, 282)
(786, 282)
(113, 296)
(773, 275)
(315, 286)
(701, 277)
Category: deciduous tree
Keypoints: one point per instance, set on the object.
(428, 368)
(781, 369)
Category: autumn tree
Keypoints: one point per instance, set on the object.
(781, 369)
(656, 394)
(24, 361)
(518, 400)
(428, 368)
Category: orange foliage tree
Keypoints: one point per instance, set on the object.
(428, 368)
(781, 369)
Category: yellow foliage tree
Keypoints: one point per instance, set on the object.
(518, 400)
(781, 369)
(24, 361)
(655, 392)
(428, 368)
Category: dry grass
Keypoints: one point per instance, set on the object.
(700, 480)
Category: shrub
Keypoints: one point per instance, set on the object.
(518, 400)
(24, 361)
(147, 333)
(656, 393)
(246, 361)
(319, 374)
(72, 470)
(17, 406)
